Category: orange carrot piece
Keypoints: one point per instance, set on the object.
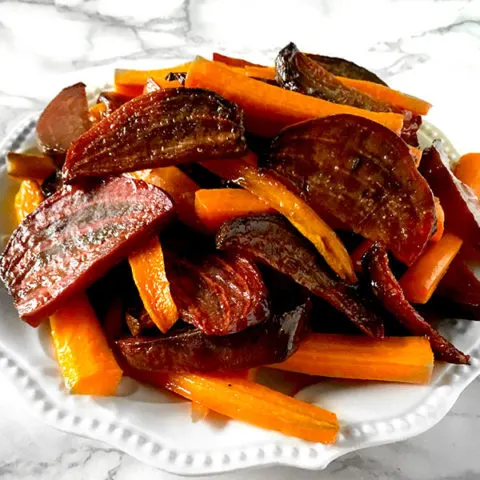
(179, 186)
(137, 78)
(232, 61)
(468, 171)
(214, 207)
(358, 254)
(440, 214)
(421, 279)
(148, 270)
(86, 361)
(29, 167)
(129, 90)
(388, 95)
(150, 86)
(275, 194)
(249, 402)
(268, 108)
(97, 112)
(27, 199)
(416, 154)
(266, 73)
(391, 359)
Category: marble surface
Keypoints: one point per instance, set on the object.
(424, 47)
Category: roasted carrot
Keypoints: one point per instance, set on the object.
(232, 61)
(86, 361)
(179, 186)
(275, 194)
(440, 214)
(27, 199)
(135, 79)
(129, 90)
(388, 95)
(266, 73)
(358, 253)
(392, 359)
(421, 279)
(268, 108)
(250, 402)
(468, 171)
(214, 207)
(148, 270)
(150, 86)
(29, 167)
(416, 154)
(97, 112)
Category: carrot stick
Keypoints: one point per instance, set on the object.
(275, 194)
(249, 402)
(148, 270)
(440, 214)
(136, 79)
(358, 253)
(468, 171)
(388, 95)
(179, 186)
(232, 61)
(27, 199)
(421, 279)
(86, 361)
(266, 73)
(268, 108)
(30, 167)
(392, 359)
(416, 154)
(214, 207)
(129, 90)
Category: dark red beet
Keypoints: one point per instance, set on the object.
(220, 294)
(298, 72)
(270, 239)
(75, 237)
(64, 119)
(358, 174)
(459, 202)
(271, 341)
(162, 128)
(388, 290)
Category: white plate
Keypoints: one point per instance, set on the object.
(156, 427)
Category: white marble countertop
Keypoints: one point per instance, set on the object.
(425, 47)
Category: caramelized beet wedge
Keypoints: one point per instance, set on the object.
(273, 340)
(344, 68)
(361, 176)
(298, 72)
(388, 290)
(271, 240)
(459, 202)
(75, 237)
(220, 294)
(159, 129)
(64, 119)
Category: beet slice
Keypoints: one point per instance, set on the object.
(64, 119)
(220, 294)
(270, 239)
(359, 175)
(298, 72)
(344, 68)
(271, 341)
(386, 287)
(459, 202)
(75, 237)
(159, 129)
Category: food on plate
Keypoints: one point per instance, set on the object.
(199, 222)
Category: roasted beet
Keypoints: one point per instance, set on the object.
(386, 287)
(271, 240)
(220, 294)
(298, 72)
(344, 68)
(459, 202)
(158, 129)
(271, 341)
(112, 100)
(359, 175)
(74, 237)
(64, 119)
